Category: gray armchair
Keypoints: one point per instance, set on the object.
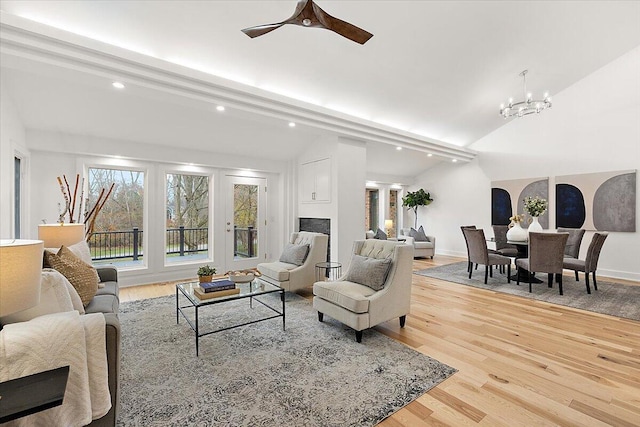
(546, 254)
(479, 254)
(361, 306)
(590, 263)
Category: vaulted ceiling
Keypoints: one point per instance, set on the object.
(434, 70)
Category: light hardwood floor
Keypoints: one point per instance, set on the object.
(521, 362)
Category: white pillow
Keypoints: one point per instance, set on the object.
(54, 298)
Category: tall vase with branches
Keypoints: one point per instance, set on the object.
(74, 205)
(414, 199)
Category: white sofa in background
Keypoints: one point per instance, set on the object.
(420, 249)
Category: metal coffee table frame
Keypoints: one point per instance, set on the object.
(249, 290)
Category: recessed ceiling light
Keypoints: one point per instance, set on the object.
(454, 160)
(118, 85)
(429, 155)
(399, 148)
(220, 108)
(292, 125)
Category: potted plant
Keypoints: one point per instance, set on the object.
(413, 200)
(205, 273)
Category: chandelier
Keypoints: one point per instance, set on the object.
(528, 106)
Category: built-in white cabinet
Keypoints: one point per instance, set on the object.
(315, 181)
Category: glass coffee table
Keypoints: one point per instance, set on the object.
(250, 290)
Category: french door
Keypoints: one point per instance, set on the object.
(245, 222)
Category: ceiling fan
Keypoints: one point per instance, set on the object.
(309, 14)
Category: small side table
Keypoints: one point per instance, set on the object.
(33, 393)
(328, 271)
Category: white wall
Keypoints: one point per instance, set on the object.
(346, 206)
(55, 154)
(594, 126)
(12, 142)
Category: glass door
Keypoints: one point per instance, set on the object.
(245, 222)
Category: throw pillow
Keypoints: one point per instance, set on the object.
(418, 235)
(294, 254)
(371, 272)
(82, 276)
(380, 235)
(54, 298)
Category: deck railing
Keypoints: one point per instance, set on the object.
(113, 245)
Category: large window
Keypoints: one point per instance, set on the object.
(187, 219)
(118, 229)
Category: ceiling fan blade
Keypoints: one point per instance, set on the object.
(341, 27)
(261, 29)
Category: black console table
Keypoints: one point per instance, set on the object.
(34, 393)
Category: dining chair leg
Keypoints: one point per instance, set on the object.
(529, 281)
(486, 273)
(469, 265)
(560, 284)
(577, 277)
(587, 283)
(550, 279)
(476, 266)
(491, 271)
(470, 269)
(595, 284)
(508, 273)
(517, 275)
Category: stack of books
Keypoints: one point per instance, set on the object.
(217, 288)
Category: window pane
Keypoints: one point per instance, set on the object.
(187, 236)
(118, 232)
(245, 220)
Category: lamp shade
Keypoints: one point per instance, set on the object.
(388, 223)
(20, 272)
(56, 235)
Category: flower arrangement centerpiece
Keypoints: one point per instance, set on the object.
(516, 219)
(535, 206)
(516, 233)
(205, 273)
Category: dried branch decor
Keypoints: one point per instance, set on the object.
(72, 202)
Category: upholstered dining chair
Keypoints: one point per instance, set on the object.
(375, 288)
(546, 254)
(479, 254)
(590, 263)
(466, 242)
(572, 250)
(500, 237)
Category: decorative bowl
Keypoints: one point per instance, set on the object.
(241, 277)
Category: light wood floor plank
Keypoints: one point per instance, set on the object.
(521, 362)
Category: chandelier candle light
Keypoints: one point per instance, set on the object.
(528, 106)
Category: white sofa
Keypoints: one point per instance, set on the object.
(292, 277)
(420, 249)
(361, 307)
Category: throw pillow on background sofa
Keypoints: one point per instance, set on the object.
(81, 275)
(418, 235)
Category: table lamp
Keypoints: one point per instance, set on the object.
(57, 235)
(20, 272)
(388, 224)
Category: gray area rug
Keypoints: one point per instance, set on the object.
(614, 299)
(311, 374)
